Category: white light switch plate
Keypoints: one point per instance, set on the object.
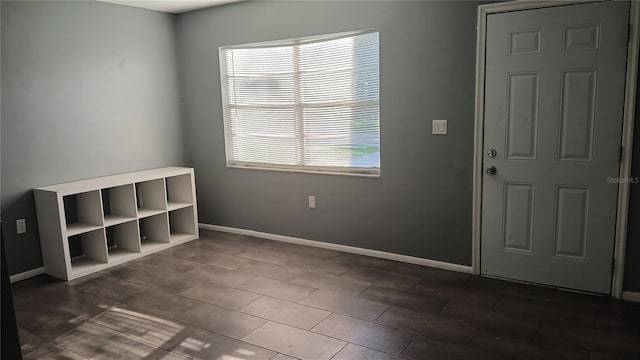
(312, 202)
(21, 226)
(439, 127)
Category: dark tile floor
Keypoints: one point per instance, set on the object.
(231, 297)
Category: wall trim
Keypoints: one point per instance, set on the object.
(631, 296)
(624, 189)
(345, 248)
(620, 239)
(26, 275)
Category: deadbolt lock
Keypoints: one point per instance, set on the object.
(492, 153)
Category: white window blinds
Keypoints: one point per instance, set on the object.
(304, 104)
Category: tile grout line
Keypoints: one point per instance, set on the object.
(339, 351)
(62, 347)
(240, 309)
(280, 322)
(218, 267)
(382, 313)
(306, 297)
(345, 314)
(407, 346)
(413, 335)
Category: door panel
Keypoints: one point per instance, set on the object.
(571, 218)
(577, 119)
(524, 42)
(554, 95)
(518, 216)
(522, 115)
(581, 37)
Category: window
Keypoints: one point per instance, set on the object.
(308, 104)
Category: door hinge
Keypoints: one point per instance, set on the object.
(629, 33)
(613, 265)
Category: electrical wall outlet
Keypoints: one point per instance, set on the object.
(439, 127)
(21, 226)
(312, 202)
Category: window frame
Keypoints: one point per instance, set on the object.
(371, 172)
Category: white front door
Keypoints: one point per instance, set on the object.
(554, 95)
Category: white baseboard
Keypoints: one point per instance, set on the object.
(631, 296)
(25, 275)
(344, 248)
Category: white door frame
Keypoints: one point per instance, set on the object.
(627, 129)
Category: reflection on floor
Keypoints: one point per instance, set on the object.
(230, 297)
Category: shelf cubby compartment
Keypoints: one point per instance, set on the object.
(122, 240)
(154, 232)
(87, 250)
(150, 197)
(182, 224)
(82, 212)
(118, 204)
(179, 192)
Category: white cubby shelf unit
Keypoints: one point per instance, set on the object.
(90, 225)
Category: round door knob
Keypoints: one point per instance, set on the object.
(491, 170)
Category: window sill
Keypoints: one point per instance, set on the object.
(330, 171)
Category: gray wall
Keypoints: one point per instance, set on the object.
(88, 89)
(421, 206)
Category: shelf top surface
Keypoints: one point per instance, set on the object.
(144, 213)
(110, 220)
(80, 186)
(79, 228)
(177, 205)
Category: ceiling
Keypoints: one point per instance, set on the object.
(171, 6)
